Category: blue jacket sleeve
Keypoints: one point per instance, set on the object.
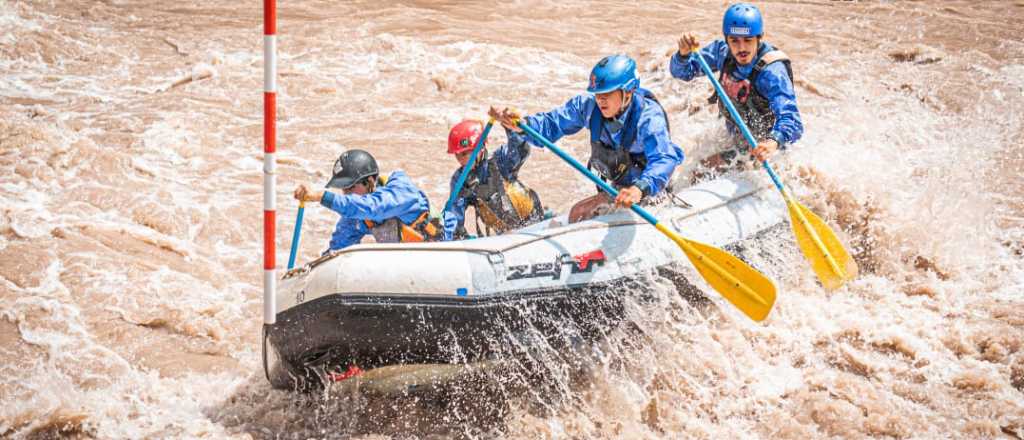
(347, 233)
(662, 155)
(687, 68)
(454, 216)
(562, 121)
(773, 82)
(511, 156)
(400, 198)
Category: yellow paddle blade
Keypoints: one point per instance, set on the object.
(743, 286)
(827, 255)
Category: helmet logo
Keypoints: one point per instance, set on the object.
(338, 167)
(464, 142)
(738, 30)
(593, 80)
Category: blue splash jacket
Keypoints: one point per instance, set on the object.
(399, 197)
(652, 137)
(773, 83)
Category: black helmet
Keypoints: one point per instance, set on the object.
(351, 167)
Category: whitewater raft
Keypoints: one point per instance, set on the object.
(373, 305)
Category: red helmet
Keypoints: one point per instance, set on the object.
(464, 135)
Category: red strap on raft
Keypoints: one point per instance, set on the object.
(352, 372)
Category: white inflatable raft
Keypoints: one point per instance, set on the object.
(372, 305)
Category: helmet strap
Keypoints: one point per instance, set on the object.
(627, 99)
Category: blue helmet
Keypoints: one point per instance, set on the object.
(613, 73)
(742, 20)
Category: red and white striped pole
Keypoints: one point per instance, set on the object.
(269, 162)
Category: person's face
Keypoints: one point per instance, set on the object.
(463, 157)
(610, 103)
(743, 48)
(357, 189)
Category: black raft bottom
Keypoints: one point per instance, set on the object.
(371, 331)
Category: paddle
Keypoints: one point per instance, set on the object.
(819, 244)
(468, 166)
(295, 235)
(744, 287)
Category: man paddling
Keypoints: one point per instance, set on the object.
(390, 208)
(492, 187)
(758, 79)
(630, 146)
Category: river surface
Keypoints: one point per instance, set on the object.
(131, 201)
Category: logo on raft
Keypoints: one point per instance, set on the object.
(583, 263)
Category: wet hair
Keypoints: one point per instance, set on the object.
(365, 181)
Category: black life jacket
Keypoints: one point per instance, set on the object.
(393, 230)
(613, 162)
(754, 108)
(502, 204)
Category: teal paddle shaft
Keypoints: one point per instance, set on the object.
(579, 167)
(468, 167)
(735, 115)
(295, 235)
